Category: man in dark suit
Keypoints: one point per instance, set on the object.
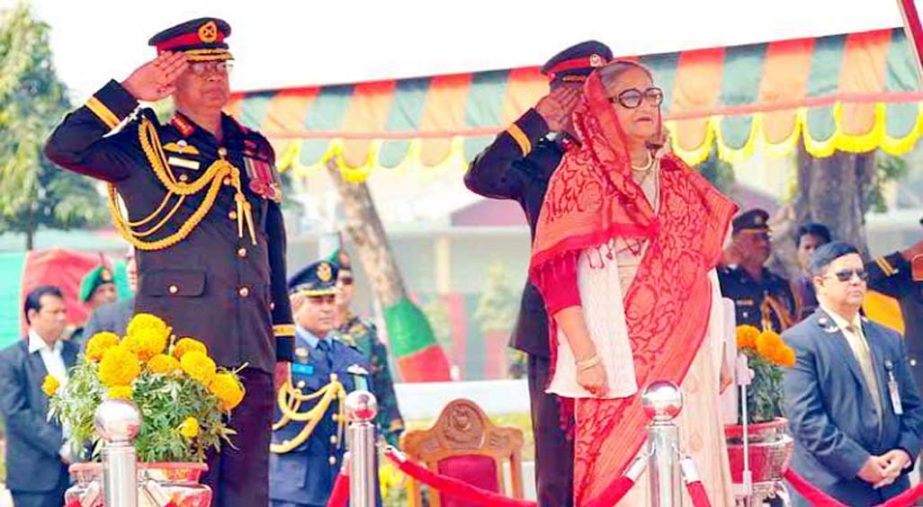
(517, 166)
(202, 202)
(852, 404)
(114, 317)
(36, 455)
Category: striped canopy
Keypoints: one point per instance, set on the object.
(854, 92)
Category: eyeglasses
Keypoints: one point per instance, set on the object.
(632, 97)
(847, 274)
(346, 280)
(203, 68)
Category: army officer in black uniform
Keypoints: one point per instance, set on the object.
(517, 166)
(762, 298)
(201, 207)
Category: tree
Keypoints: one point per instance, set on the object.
(419, 356)
(33, 192)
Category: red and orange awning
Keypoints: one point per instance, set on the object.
(854, 92)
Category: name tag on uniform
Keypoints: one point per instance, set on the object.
(303, 369)
(893, 390)
(184, 163)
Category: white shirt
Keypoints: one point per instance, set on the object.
(858, 343)
(54, 365)
(51, 356)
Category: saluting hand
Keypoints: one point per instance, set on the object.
(156, 79)
(557, 106)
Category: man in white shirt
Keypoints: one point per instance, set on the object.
(36, 456)
(853, 407)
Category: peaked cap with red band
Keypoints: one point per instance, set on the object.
(201, 39)
(575, 63)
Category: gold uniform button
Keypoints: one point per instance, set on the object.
(227, 182)
(333, 439)
(183, 177)
(232, 215)
(222, 152)
(244, 292)
(300, 384)
(242, 252)
(333, 460)
(173, 289)
(272, 306)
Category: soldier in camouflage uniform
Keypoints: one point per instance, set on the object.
(362, 334)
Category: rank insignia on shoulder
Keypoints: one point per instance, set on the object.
(348, 339)
(185, 163)
(301, 352)
(181, 147)
(357, 329)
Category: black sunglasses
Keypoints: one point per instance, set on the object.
(847, 274)
(632, 97)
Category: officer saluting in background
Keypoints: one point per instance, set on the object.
(201, 207)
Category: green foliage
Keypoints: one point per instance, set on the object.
(888, 168)
(764, 394)
(33, 192)
(717, 171)
(499, 301)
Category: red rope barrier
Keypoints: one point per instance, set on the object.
(454, 487)
(697, 493)
(821, 499)
(613, 493)
(339, 497)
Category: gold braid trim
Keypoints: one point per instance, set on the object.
(771, 304)
(212, 179)
(289, 400)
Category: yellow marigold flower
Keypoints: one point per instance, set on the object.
(162, 363)
(770, 345)
(786, 356)
(188, 345)
(228, 390)
(189, 428)
(99, 344)
(198, 366)
(146, 342)
(50, 385)
(118, 367)
(120, 393)
(746, 337)
(146, 321)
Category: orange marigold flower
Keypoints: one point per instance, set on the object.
(228, 390)
(189, 428)
(118, 367)
(146, 321)
(188, 345)
(99, 344)
(50, 385)
(120, 393)
(162, 363)
(199, 367)
(146, 342)
(746, 337)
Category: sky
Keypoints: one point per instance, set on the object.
(297, 43)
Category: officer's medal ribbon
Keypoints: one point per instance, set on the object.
(262, 180)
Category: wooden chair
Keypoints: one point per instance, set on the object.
(465, 445)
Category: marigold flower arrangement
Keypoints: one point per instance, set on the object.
(182, 395)
(768, 354)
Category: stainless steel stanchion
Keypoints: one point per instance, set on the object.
(361, 409)
(117, 423)
(662, 402)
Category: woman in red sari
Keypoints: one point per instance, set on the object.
(624, 255)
